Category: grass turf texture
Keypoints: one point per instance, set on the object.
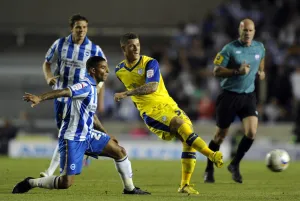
(100, 181)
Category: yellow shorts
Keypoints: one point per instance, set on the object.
(158, 119)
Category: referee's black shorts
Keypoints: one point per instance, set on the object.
(229, 104)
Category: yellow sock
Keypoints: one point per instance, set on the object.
(193, 140)
(188, 163)
(202, 147)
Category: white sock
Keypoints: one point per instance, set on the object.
(54, 162)
(124, 168)
(50, 182)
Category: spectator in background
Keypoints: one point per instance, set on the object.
(7, 132)
(139, 131)
(273, 111)
(206, 109)
(295, 81)
(26, 123)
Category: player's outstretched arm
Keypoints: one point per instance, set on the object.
(145, 89)
(46, 96)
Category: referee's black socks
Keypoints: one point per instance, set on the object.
(214, 147)
(243, 147)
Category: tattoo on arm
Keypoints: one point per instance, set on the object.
(97, 125)
(56, 94)
(145, 89)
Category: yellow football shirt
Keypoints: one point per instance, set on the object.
(144, 71)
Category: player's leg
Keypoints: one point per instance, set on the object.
(53, 164)
(214, 145)
(186, 132)
(250, 128)
(165, 121)
(58, 109)
(188, 163)
(226, 105)
(248, 114)
(100, 143)
(71, 155)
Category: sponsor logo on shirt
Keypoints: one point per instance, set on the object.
(78, 86)
(150, 73)
(219, 59)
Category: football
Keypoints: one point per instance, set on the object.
(277, 160)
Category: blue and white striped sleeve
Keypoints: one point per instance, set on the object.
(80, 90)
(51, 55)
(100, 52)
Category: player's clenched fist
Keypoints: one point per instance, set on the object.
(120, 96)
(244, 68)
(261, 75)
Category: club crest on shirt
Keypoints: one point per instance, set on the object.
(150, 73)
(72, 166)
(87, 53)
(257, 56)
(164, 118)
(140, 71)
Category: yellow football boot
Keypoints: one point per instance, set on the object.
(187, 189)
(216, 158)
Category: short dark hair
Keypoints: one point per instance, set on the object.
(93, 61)
(75, 18)
(128, 36)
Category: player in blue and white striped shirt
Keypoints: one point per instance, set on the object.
(76, 135)
(69, 55)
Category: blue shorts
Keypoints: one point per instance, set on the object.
(72, 152)
(59, 111)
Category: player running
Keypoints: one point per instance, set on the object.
(141, 76)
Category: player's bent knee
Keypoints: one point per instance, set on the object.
(123, 150)
(251, 133)
(117, 152)
(220, 135)
(120, 153)
(175, 123)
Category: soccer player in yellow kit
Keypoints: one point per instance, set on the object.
(141, 76)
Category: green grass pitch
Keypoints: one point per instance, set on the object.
(100, 181)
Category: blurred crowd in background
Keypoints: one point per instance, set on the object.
(186, 63)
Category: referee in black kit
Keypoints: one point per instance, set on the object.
(236, 66)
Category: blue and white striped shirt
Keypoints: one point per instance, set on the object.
(79, 110)
(70, 59)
